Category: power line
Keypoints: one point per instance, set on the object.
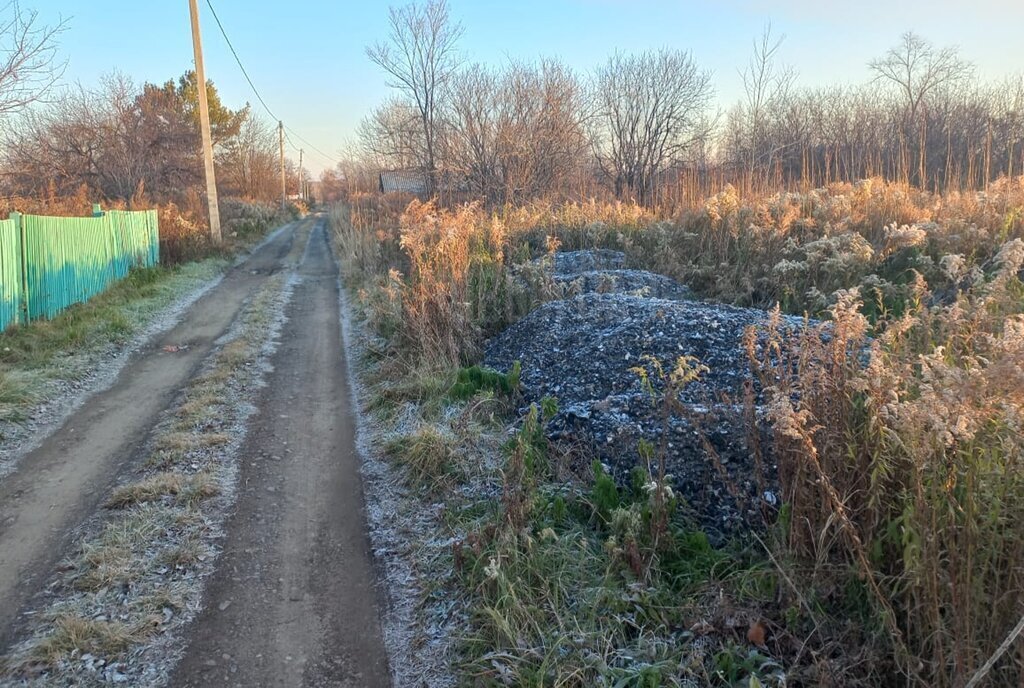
(266, 107)
(296, 134)
(289, 130)
(289, 138)
(227, 40)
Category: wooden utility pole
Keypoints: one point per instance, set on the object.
(204, 125)
(302, 196)
(284, 185)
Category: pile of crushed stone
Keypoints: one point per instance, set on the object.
(603, 271)
(581, 351)
(566, 263)
(631, 282)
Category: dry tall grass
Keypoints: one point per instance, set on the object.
(900, 459)
(791, 248)
(898, 424)
(444, 278)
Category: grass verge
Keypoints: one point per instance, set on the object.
(563, 578)
(36, 359)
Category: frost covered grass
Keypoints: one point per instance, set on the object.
(551, 576)
(895, 556)
(901, 475)
(135, 577)
(795, 249)
(35, 356)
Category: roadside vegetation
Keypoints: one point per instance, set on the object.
(894, 556)
(35, 358)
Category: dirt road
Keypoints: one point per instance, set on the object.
(293, 601)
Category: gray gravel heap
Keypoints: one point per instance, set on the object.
(602, 271)
(567, 263)
(632, 282)
(580, 351)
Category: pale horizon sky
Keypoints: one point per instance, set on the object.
(308, 59)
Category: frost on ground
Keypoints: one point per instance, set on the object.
(418, 628)
(117, 609)
(90, 372)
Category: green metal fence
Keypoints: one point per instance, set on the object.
(50, 263)
(11, 287)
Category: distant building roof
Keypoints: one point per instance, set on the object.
(407, 181)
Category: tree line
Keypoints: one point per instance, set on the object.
(119, 141)
(129, 142)
(641, 124)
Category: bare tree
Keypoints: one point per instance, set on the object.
(392, 135)
(420, 57)
(515, 133)
(120, 141)
(766, 85)
(918, 70)
(28, 57)
(472, 131)
(543, 137)
(647, 110)
(247, 163)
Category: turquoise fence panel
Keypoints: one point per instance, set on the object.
(137, 239)
(153, 227)
(10, 273)
(71, 259)
(120, 238)
(68, 259)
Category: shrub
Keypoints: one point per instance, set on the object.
(185, 234)
(182, 238)
(474, 379)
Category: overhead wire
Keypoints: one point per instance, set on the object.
(259, 97)
(303, 140)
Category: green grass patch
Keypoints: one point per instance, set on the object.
(570, 600)
(475, 379)
(60, 349)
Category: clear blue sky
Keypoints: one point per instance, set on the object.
(307, 56)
